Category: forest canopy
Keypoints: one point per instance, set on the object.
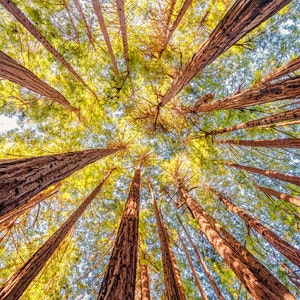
(161, 137)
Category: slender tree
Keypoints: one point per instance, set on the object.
(13, 71)
(20, 16)
(98, 10)
(202, 263)
(143, 279)
(286, 249)
(172, 278)
(18, 283)
(244, 16)
(22, 179)
(188, 257)
(271, 174)
(256, 278)
(66, 6)
(119, 278)
(274, 143)
(279, 195)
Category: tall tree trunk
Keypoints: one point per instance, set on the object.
(279, 195)
(20, 16)
(122, 21)
(143, 278)
(292, 114)
(66, 6)
(275, 143)
(100, 18)
(287, 250)
(202, 263)
(13, 71)
(82, 16)
(179, 17)
(9, 219)
(188, 257)
(285, 89)
(271, 174)
(172, 278)
(243, 16)
(169, 16)
(22, 179)
(256, 278)
(18, 283)
(119, 278)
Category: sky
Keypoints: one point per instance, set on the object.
(7, 123)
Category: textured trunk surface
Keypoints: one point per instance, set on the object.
(293, 114)
(199, 285)
(145, 286)
(119, 278)
(244, 16)
(22, 179)
(285, 89)
(287, 250)
(18, 283)
(279, 195)
(202, 263)
(13, 71)
(20, 16)
(275, 143)
(271, 174)
(256, 278)
(172, 278)
(98, 10)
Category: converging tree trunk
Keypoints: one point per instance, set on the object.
(256, 278)
(143, 279)
(66, 6)
(271, 174)
(243, 16)
(13, 71)
(18, 283)
(275, 143)
(98, 10)
(22, 179)
(287, 250)
(202, 263)
(20, 16)
(119, 278)
(188, 257)
(280, 195)
(172, 278)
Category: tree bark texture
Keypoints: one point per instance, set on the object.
(286, 249)
(98, 10)
(22, 179)
(119, 278)
(243, 16)
(20, 16)
(292, 114)
(172, 278)
(271, 174)
(13, 71)
(275, 143)
(279, 195)
(202, 263)
(256, 278)
(144, 283)
(18, 283)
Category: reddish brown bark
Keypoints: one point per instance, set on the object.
(119, 278)
(279, 195)
(202, 262)
(22, 179)
(287, 250)
(256, 278)
(18, 283)
(98, 10)
(172, 278)
(144, 283)
(188, 257)
(293, 277)
(271, 174)
(13, 71)
(244, 16)
(293, 114)
(275, 143)
(20, 16)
